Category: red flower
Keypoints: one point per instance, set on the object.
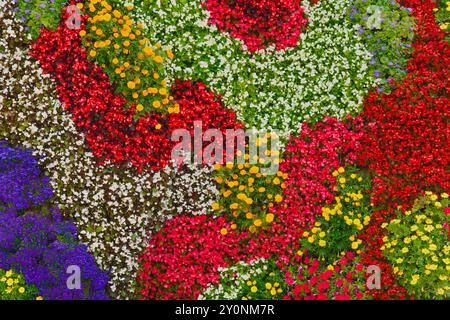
(323, 286)
(447, 211)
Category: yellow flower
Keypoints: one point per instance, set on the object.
(257, 222)
(254, 170)
(156, 104)
(215, 206)
(139, 107)
(10, 282)
(322, 243)
(131, 85)
(355, 245)
(39, 298)
(21, 290)
(93, 53)
(269, 217)
(223, 231)
(268, 286)
(342, 180)
(254, 289)
(341, 170)
(158, 59)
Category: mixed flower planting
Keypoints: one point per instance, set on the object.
(352, 97)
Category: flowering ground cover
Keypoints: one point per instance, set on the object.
(234, 149)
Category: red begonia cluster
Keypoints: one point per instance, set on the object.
(259, 23)
(182, 259)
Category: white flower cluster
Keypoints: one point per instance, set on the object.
(236, 278)
(326, 74)
(115, 210)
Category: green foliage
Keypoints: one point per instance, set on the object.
(442, 13)
(39, 13)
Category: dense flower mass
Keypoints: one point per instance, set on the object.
(185, 255)
(406, 133)
(36, 241)
(259, 23)
(257, 280)
(417, 246)
(327, 74)
(133, 64)
(118, 178)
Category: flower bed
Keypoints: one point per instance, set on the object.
(350, 98)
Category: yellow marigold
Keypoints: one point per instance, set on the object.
(269, 217)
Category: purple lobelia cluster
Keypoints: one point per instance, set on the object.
(34, 238)
(21, 185)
